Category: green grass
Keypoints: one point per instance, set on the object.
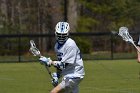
(102, 76)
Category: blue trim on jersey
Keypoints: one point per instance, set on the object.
(59, 45)
(74, 77)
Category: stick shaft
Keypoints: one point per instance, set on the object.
(47, 68)
(39, 55)
(49, 71)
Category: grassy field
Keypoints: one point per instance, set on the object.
(102, 76)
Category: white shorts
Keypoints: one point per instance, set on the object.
(70, 85)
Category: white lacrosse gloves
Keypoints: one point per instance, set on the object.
(46, 61)
(55, 79)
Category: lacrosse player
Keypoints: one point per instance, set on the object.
(138, 45)
(69, 64)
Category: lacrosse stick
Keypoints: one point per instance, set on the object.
(123, 32)
(33, 49)
(36, 52)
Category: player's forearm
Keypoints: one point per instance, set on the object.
(58, 64)
(138, 54)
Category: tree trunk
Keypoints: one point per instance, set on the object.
(72, 14)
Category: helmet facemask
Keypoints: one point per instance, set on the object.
(61, 38)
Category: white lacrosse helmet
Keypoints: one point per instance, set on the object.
(62, 32)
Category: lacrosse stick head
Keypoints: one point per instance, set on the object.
(33, 49)
(123, 32)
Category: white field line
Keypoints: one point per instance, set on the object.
(5, 78)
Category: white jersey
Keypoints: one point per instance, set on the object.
(70, 53)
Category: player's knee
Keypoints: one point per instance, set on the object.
(53, 91)
(138, 60)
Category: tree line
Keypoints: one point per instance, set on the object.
(41, 16)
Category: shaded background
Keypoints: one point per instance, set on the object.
(91, 23)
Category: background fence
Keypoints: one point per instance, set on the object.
(100, 45)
